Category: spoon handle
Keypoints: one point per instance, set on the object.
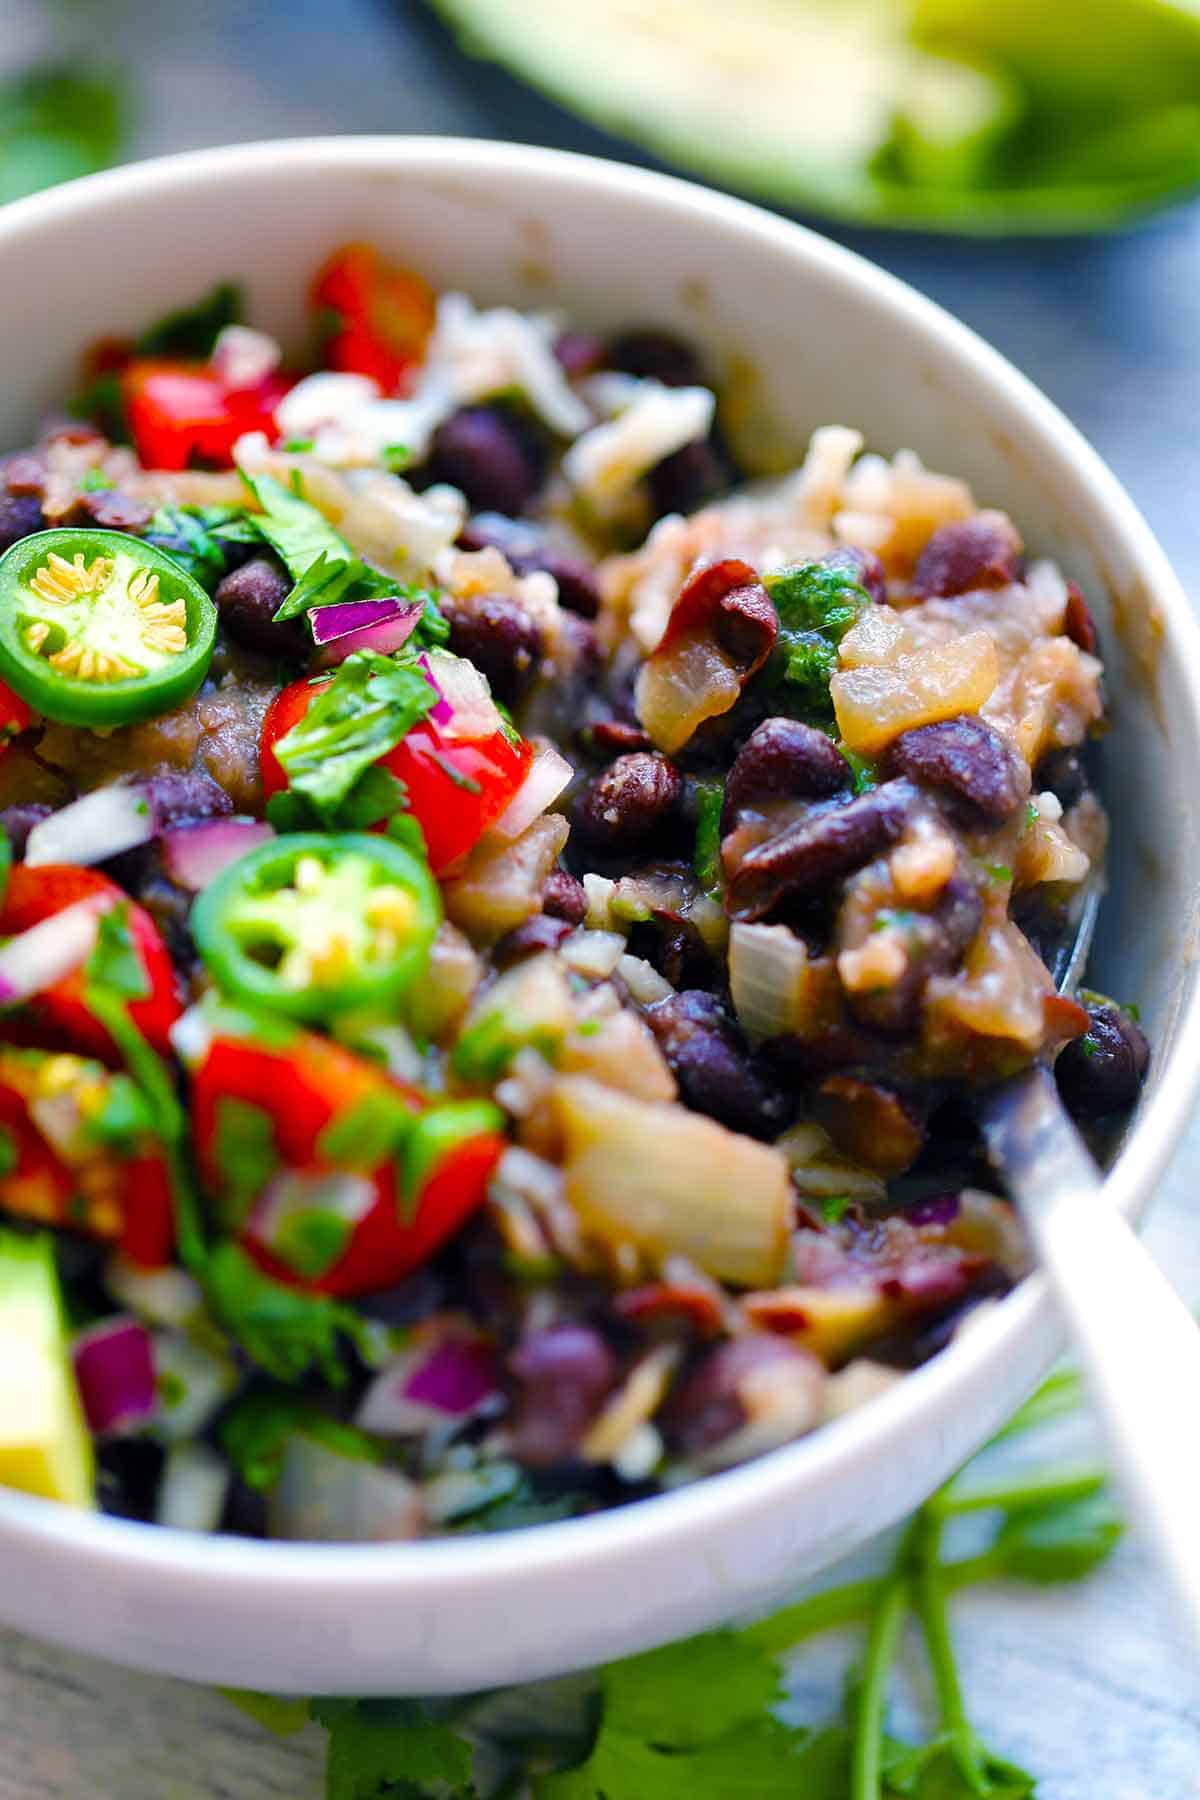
(1139, 1345)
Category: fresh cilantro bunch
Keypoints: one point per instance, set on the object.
(702, 1720)
(817, 603)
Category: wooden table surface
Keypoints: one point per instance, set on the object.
(1086, 1686)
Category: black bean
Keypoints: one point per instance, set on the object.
(831, 841)
(20, 514)
(672, 945)
(580, 353)
(783, 759)
(746, 624)
(17, 822)
(966, 759)
(541, 932)
(525, 549)
(618, 735)
(185, 794)
(499, 636)
(248, 600)
(872, 1123)
(659, 355)
(114, 511)
(1102, 1071)
(1064, 774)
(1078, 623)
(637, 797)
(490, 455)
(563, 1375)
(983, 552)
(128, 1472)
(708, 1404)
(690, 476)
(717, 1072)
(865, 568)
(563, 897)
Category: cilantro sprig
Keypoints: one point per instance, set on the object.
(817, 603)
(702, 1719)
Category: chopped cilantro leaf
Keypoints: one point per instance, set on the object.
(835, 1207)
(363, 713)
(395, 457)
(10, 1154)
(706, 856)
(298, 446)
(817, 603)
(114, 963)
(95, 482)
(368, 1134)
(393, 1747)
(998, 872)
(245, 1154)
(286, 1332)
(193, 330)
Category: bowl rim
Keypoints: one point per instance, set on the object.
(856, 1442)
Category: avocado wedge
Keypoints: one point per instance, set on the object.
(44, 1443)
(944, 115)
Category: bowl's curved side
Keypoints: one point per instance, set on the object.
(816, 334)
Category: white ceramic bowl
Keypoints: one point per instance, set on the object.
(826, 337)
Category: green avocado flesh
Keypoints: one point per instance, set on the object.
(950, 115)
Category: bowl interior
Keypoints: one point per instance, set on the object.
(808, 335)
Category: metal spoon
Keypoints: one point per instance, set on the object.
(1139, 1344)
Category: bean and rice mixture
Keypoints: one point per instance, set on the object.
(503, 917)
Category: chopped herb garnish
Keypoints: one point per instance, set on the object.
(817, 603)
(364, 712)
(298, 446)
(96, 482)
(706, 856)
(998, 872)
(395, 457)
(193, 330)
(835, 1207)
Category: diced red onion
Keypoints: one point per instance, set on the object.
(465, 708)
(324, 1497)
(549, 773)
(194, 1486)
(425, 1388)
(386, 633)
(195, 854)
(938, 1209)
(48, 951)
(349, 616)
(90, 830)
(114, 1370)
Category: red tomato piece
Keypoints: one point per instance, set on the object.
(307, 1085)
(303, 1082)
(381, 316)
(59, 1017)
(117, 1200)
(456, 787)
(15, 716)
(182, 412)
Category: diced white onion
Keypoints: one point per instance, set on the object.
(549, 773)
(194, 1486)
(592, 953)
(643, 980)
(242, 357)
(48, 951)
(326, 399)
(161, 1296)
(322, 1497)
(484, 353)
(91, 829)
(193, 1383)
(467, 709)
(609, 460)
(190, 1036)
(768, 979)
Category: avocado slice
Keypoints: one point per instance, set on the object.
(45, 1447)
(953, 115)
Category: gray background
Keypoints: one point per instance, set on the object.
(1085, 1686)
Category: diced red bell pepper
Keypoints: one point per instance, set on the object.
(59, 1017)
(181, 412)
(456, 787)
(380, 317)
